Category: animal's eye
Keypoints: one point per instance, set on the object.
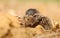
(27, 19)
(35, 16)
(21, 24)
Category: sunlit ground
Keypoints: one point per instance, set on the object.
(47, 8)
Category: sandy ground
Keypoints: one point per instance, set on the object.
(49, 9)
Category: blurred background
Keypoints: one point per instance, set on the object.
(49, 8)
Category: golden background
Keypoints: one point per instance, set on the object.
(50, 8)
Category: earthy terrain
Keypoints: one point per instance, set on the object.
(9, 24)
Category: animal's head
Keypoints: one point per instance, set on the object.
(32, 12)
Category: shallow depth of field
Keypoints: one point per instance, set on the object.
(49, 8)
